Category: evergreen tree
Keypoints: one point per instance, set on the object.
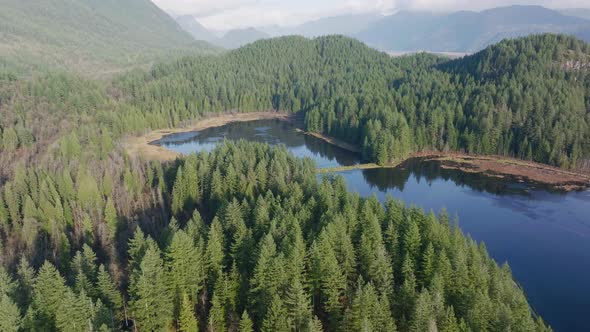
(187, 320)
(10, 316)
(246, 324)
(107, 290)
(151, 303)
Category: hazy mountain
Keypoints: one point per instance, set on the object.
(189, 24)
(85, 35)
(347, 25)
(577, 12)
(467, 31)
(239, 37)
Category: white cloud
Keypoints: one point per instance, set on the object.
(230, 14)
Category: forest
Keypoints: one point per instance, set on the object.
(526, 98)
(246, 238)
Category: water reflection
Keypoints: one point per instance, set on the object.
(264, 131)
(426, 170)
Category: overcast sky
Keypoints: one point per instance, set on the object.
(230, 14)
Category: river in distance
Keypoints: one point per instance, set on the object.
(543, 235)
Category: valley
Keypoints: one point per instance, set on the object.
(148, 182)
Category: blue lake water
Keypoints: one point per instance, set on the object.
(543, 235)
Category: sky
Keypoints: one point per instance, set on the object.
(232, 14)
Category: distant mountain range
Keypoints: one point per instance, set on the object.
(577, 12)
(467, 31)
(347, 25)
(464, 31)
(230, 40)
(195, 29)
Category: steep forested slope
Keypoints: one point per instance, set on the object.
(86, 34)
(527, 98)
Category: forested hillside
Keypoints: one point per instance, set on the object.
(245, 238)
(88, 35)
(528, 98)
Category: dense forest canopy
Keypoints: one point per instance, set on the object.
(527, 98)
(245, 238)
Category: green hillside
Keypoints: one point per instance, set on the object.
(88, 35)
(526, 98)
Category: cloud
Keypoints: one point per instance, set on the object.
(231, 14)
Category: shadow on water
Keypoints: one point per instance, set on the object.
(429, 171)
(273, 132)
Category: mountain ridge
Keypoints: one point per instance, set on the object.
(86, 35)
(467, 31)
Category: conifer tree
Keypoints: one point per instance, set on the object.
(111, 219)
(10, 316)
(187, 320)
(276, 317)
(48, 295)
(107, 290)
(151, 303)
(246, 324)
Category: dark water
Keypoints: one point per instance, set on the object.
(265, 131)
(543, 235)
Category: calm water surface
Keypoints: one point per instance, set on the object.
(543, 235)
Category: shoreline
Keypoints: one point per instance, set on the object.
(492, 166)
(142, 145)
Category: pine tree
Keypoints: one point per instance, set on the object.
(276, 317)
(215, 251)
(76, 313)
(449, 321)
(427, 265)
(186, 272)
(111, 219)
(48, 295)
(246, 324)
(151, 304)
(10, 317)
(107, 290)
(26, 280)
(265, 279)
(297, 304)
(423, 318)
(179, 194)
(217, 314)
(315, 325)
(187, 321)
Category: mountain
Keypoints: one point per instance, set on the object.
(347, 25)
(88, 35)
(577, 12)
(239, 37)
(189, 24)
(467, 31)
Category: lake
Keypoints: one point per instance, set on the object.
(543, 235)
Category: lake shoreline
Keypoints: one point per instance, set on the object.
(143, 145)
(491, 166)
